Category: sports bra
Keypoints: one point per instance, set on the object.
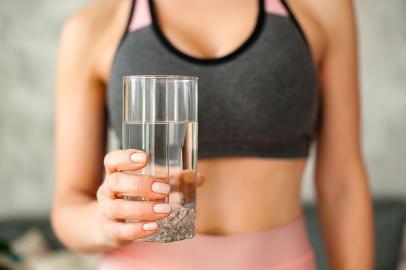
(260, 100)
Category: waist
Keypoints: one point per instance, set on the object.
(245, 194)
(284, 247)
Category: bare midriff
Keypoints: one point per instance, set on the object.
(248, 194)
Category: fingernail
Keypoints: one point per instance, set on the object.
(159, 187)
(150, 226)
(138, 157)
(162, 208)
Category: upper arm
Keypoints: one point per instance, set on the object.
(338, 141)
(80, 110)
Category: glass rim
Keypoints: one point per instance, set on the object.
(160, 77)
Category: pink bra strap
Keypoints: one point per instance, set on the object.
(141, 15)
(276, 7)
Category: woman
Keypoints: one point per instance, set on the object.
(275, 76)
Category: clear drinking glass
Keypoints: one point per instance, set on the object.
(160, 117)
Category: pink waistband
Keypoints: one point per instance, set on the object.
(282, 248)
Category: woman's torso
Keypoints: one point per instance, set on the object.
(241, 193)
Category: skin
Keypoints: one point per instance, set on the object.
(87, 210)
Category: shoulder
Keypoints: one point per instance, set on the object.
(326, 23)
(335, 17)
(85, 33)
(91, 21)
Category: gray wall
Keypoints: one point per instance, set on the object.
(28, 42)
(382, 38)
(29, 33)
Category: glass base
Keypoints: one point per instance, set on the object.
(179, 225)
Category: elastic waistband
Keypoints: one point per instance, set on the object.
(282, 248)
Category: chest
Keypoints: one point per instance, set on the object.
(206, 29)
(265, 91)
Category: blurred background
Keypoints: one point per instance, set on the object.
(29, 33)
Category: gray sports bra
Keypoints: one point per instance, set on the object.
(260, 100)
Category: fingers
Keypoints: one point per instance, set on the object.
(135, 185)
(200, 179)
(122, 160)
(135, 210)
(191, 176)
(188, 177)
(120, 233)
(132, 160)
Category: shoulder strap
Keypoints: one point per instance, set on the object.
(276, 7)
(141, 15)
(295, 21)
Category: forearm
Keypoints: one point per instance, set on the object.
(347, 224)
(76, 223)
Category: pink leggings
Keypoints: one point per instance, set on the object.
(282, 248)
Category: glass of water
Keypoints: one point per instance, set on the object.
(160, 118)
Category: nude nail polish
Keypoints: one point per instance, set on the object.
(162, 188)
(162, 208)
(150, 226)
(137, 157)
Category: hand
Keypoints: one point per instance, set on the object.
(113, 210)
